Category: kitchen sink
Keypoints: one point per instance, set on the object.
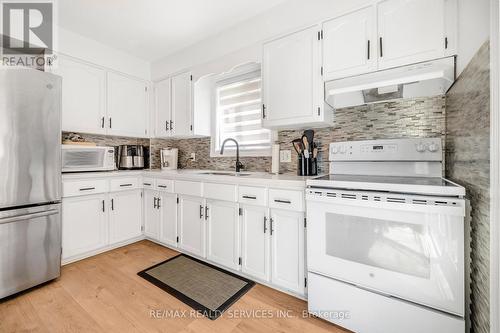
(215, 173)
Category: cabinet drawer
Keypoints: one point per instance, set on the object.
(188, 188)
(148, 183)
(224, 192)
(253, 195)
(285, 199)
(123, 184)
(165, 185)
(74, 188)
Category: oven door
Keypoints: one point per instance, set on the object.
(410, 247)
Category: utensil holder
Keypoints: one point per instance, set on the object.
(314, 167)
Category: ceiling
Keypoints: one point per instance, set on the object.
(152, 29)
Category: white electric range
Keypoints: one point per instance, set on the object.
(385, 239)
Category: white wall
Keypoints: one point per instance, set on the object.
(473, 29)
(283, 18)
(242, 43)
(81, 47)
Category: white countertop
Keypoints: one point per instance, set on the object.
(248, 178)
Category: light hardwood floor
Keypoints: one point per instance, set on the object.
(104, 294)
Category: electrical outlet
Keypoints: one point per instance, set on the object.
(285, 156)
(193, 157)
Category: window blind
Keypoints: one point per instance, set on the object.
(239, 114)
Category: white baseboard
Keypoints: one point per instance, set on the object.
(89, 254)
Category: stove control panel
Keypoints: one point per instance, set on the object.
(419, 149)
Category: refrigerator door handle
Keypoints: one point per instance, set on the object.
(28, 216)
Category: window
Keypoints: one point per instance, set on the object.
(238, 114)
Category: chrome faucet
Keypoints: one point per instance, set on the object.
(239, 165)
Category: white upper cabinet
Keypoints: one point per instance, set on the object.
(410, 31)
(292, 83)
(83, 96)
(127, 106)
(163, 123)
(350, 44)
(182, 104)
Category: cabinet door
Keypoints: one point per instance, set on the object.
(84, 224)
(192, 225)
(181, 104)
(151, 215)
(291, 79)
(223, 233)
(163, 108)
(125, 216)
(127, 106)
(255, 242)
(287, 247)
(168, 220)
(349, 44)
(83, 96)
(410, 31)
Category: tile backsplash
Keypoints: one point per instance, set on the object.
(421, 117)
(468, 163)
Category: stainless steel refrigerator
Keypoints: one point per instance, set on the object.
(30, 179)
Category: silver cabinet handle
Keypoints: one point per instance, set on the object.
(166, 126)
(146, 184)
(110, 122)
(253, 197)
(206, 212)
(154, 202)
(201, 212)
(87, 189)
(162, 186)
(102, 122)
(103, 206)
(265, 224)
(171, 125)
(271, 221)
(368, 49)
(282, 201)
(125, 185)
(28, 216)
(112, 204)
(158, 203)
(381, 48)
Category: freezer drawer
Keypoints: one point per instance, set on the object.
(30, 247)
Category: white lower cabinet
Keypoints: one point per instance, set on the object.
(223, 233)
(84, 227)
(168, 218)
(151, 214)
(255, 242)
(287, 250)
(192, 225)
(125, 216)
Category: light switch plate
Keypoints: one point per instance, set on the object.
(285, 156)
(193, 157)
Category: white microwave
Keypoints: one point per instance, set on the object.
(76, 158)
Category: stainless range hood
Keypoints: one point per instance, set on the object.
(424, 79)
